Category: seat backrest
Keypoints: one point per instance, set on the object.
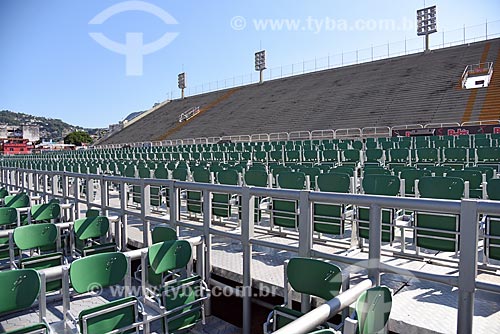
(163, 233)
(99, 270)
(256, 178)
(373, 308)
(455, 153)
(376, 170)
(373, 154)
(8, 216)
(45, 211)
(489, 172)
(441, 187)
(343, 169)
(201, 174)
(334, 182)
(399, 154)
(314, 277)
(493, 189)
(488, 154)
(3, 192)
(351, 155)
(475, 177)
(375, 184)
(439, 170)
(35, 235)
(228, 176)
(169, 255)
(129, 171)
(92, 213)
(161, 172)
(180, 174)
(20, 200)
(410, 175)
(144, 172)
(18, 289)
(291, 180)
(427, 154)
(91, 227)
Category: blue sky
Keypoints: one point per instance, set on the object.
(50, 66)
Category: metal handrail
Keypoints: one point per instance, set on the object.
(189, 113)
(36, 182)
(315, 134)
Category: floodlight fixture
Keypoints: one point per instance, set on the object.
(426, 23)
(260, 63)
(181, 82)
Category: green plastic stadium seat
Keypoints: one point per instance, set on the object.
(387, 185)
(284, 212)
(182, 297)
(306, 276)
(221, 205)
(102, 270)
(38, 237)
(8, 220)
(20, 200)
(492, 229)
(373, 309)
(410, 176)
(90, 235)
(330, 218)
(437, 231)
(194, 198)
(18, 291)
(45, 212)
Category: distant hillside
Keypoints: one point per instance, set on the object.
(49, 128)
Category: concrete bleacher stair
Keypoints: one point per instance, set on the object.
(491, 106)
(414, 89)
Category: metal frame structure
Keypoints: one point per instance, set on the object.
(381, 131)
(36, 183)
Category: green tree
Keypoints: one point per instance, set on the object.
(77, 138)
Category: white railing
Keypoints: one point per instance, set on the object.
(299, 135)
(323, 134)
(467, 280)
(376, 131)
(189, 114)
(477, 69)
(316, 134)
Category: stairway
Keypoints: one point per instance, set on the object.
(472, 97)
(173, 130)
(491, 105)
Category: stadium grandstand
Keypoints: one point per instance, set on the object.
(414, 89)
(361, 199)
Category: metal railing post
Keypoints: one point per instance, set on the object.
(174, 196)
(124, 217)
(305, 239)
(145, 211)
(375, 236)
(76, 192)
(247, 233)
(103, 184)
(207, 223)
(467, 265)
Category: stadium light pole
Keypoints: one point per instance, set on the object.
(260, 63)
(181, 83)
(426, 23)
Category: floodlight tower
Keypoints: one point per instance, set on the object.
(181, 82)
(426, 23)
(260, 63)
